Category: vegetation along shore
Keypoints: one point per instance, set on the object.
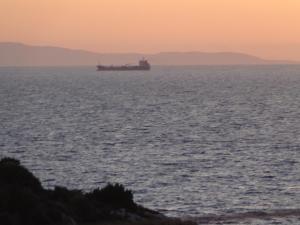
(24, 201)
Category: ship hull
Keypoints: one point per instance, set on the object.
(143, 65)
(121, 68)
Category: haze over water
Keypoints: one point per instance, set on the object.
(188, 141)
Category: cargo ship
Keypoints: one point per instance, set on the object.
(143, 65)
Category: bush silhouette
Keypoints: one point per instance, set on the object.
(75, 203)
(14, 174)
(62, 194)
(115, 195)
(23, 200)
(84, 210)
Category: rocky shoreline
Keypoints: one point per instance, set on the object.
(24, 201)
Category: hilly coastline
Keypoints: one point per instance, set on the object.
(17, 54)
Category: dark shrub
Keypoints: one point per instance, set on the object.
(55, 211)
(22, 197)
(13, 174)
(115, 195)
(63, 194)
(75, 203)
(7, 219)
(23, 203)
(7, 160)
(23, 200)
(83, 209)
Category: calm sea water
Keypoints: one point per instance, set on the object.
(189, 141)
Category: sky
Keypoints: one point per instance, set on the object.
(265, 28)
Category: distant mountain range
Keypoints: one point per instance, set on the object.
(17, 54)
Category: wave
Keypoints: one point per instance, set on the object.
(236, 217)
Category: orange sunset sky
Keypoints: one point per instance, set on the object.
(266, 28)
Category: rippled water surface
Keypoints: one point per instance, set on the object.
(190, 141)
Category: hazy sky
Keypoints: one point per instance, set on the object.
(266, 28)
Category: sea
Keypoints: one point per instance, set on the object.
(189, 141)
